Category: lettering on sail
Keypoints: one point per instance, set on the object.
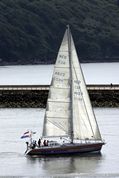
(62, 56)
(58, 79)
(62, 74)
(77, 92)
(78, 95)
(59, 76)
(61, 59)
(77, 82)
(77, 87)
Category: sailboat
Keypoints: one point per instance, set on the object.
(70, 124)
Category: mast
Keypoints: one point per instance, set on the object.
(71, 84)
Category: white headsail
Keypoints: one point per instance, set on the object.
(84, 122)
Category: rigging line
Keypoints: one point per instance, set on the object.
(57, 125)
(83, 99)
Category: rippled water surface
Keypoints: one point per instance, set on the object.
(13, 162)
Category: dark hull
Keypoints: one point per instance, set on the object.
(66, 149)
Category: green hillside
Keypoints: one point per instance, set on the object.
(31, 30)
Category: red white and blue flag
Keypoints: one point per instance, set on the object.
(28, 134)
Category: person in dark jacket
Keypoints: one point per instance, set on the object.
(39, 142)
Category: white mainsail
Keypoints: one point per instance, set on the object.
(58, 104)
(68, 101)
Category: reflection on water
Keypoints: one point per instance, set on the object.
(68, 164)
(14, 122)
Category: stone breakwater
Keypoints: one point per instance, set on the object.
(23, 99)
(38, 99)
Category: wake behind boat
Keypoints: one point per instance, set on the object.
(69, 125)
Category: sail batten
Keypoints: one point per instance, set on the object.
(69, 111)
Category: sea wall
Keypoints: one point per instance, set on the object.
(23, 99)
(104, 98)
(36, 99)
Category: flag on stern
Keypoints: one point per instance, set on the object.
(28, 134)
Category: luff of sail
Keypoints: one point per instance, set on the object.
(61, 107)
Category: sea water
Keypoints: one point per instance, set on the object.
(94, 73)
(14, 122)
(13, 162)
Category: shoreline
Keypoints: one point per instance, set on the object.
(38, 99)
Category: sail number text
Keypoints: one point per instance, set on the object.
(61, 59)
(60, 74)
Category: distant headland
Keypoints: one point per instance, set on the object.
(31, 30)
